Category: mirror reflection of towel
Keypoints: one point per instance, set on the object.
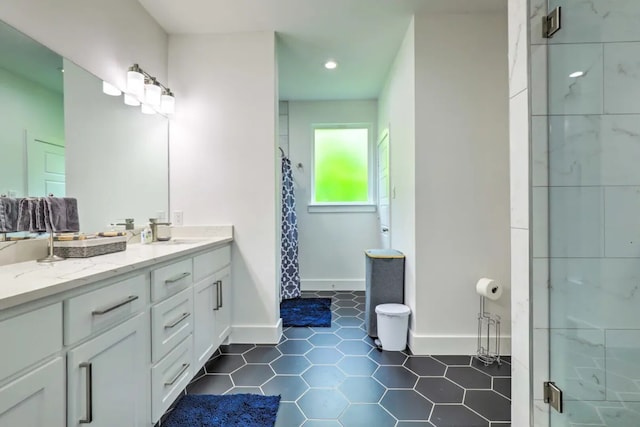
(8, 214)
(62, 213)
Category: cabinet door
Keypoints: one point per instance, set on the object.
(108, 380)
(223, 314)
(35, 399)
(205, 339)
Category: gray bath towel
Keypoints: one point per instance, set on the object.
(62, 213)
(8, 214)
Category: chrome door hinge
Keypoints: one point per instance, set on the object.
(552, 23)
(553, 396)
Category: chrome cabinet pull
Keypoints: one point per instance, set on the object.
(217, 307)
(185, 366)
(219, 293)
(113, 307)
(178, 320)
(89, 397)
(178, 277)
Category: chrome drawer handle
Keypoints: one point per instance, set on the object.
(220, 293)
(125, 301)
(178, 277)
(178, 320)
(185, 366)
(217, 284)
(89, 386)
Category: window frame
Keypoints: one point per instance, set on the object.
(366, 206)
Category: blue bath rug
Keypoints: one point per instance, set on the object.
(232, 410)
(306, 312)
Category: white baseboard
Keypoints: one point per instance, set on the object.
(332, 284)
(256, 334)
(453, 344)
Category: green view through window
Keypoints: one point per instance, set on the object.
(341, 165)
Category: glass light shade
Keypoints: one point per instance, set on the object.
(146, 109)
(110, 89)
(135, 83)
(131, 100)
(167, 104)
(152, 93)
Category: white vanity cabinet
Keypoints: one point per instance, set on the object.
(107, 377)
(212, 302)
(223, 314)
(118, 349)
(172, 325)
(32, 369)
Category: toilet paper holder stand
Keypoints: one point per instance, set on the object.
(488, 336)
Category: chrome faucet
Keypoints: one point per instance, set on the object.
(153, 223)
(128, 224)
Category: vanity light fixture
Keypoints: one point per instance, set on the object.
(145, 89)
(110, 89)
(147, 109)
(135, 81)
(167, 102)
(131, 100)
(152, 92)
(331, 64)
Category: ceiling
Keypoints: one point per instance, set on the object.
(363, 36)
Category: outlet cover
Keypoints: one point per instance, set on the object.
(177, 218)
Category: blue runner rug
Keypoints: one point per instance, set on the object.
(306, 312)
(232, 410)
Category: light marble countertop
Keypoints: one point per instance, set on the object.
(28, 281)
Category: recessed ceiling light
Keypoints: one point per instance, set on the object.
(577, 74)
(330, 64)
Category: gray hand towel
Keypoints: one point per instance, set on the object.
(63, 214)
(8, 214)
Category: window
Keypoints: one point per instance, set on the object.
(341, 171)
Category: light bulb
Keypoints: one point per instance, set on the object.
(135, 81)
(330, 64)
(131, 100)
(146, 109)
(110, 89)
(152, 93)
(167, 102)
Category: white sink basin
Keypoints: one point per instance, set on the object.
(178, 241)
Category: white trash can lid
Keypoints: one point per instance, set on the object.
(393, 310)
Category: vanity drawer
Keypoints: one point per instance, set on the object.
(29, 338)
(104, 307)
(170, 377)
(171, 279)
(171, 322)
(206, 264)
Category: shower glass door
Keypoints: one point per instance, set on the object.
(593, 196)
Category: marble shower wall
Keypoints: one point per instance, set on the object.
(586, 198)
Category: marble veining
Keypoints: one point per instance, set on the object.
(27, 281)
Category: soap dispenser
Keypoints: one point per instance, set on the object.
(146, 235)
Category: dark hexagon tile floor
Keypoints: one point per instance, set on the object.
(332, 377)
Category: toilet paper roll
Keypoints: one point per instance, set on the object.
(488, 289)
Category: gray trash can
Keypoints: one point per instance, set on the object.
(384, 283)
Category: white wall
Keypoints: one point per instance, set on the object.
(462, 176)
(26, 106)
(396, 113)
(445, 102)
(331, 244)
(223, 161)
(105, 38)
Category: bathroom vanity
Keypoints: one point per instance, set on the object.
(111, 340)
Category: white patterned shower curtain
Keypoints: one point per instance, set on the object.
(290, 273)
